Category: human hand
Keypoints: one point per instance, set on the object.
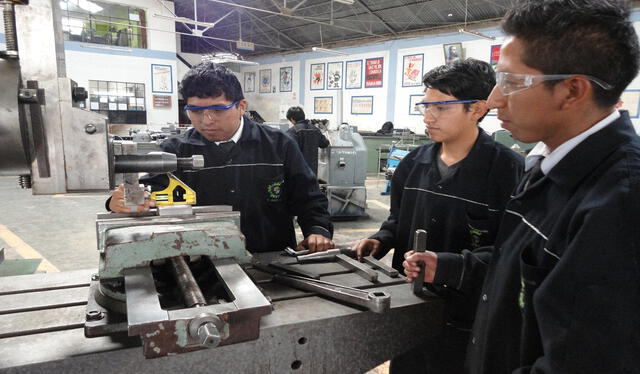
(315, 243)
(117, 202)
(411, 265)
(366, 247)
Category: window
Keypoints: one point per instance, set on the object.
(103, 23)
(122, 102)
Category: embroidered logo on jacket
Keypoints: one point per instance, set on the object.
(274, 191)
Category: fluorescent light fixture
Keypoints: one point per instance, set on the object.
(327, 50)
(350, 2)
(226, 58)
(476, 34)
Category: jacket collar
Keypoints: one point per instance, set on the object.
(590, 153)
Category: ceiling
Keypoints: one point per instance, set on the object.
(284, 26)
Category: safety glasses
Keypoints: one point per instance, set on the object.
(437, 108)
(199, 111)
(510, 83)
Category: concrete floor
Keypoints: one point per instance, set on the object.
(60, 229)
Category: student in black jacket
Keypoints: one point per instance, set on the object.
(562, 285)
(456, 190)
(308, 136)
(257, 170)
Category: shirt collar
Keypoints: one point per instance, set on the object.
(237, 134)
(551, 159)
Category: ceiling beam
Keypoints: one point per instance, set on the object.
(273, 29)
(386, 25)
(296, 17)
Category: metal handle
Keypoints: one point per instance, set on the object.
(420, 246)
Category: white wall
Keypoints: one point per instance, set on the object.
(273, 106)
(86, 61)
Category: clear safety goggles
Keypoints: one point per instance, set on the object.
(510, 83)
(437, 108)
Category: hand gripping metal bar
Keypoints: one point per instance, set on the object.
(375, 301)
(419, 245)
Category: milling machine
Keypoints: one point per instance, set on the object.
(176, 279)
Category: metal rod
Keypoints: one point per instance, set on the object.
(187, 283)
(419, 245)
(11, 39)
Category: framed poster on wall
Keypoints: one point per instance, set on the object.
(353, 75)
(361, 104)
(334, 75)
(412, 66)
(495, 55)
(452, 52)
(249, 82)
(413, 100)
(286, 79)
(265, 81)
(317, 77)
(161, 79)
(323, 105)
(373, 68)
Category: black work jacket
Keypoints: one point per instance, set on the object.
(562, 291)
(265, 178)
(309, 139)
(458, 212)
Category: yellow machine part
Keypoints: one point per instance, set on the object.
(176, 193)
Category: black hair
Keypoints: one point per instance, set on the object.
(211, 80)
(296, 114)
(592, 37)
(468, 79)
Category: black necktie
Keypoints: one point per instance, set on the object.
(535, 173)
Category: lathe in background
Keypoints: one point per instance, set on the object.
(342, 170)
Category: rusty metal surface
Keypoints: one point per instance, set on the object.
(312, 333)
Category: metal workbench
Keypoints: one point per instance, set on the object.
(42, 318)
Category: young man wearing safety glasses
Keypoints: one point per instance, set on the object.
(562, 285)
(257, 170)
(456, 190)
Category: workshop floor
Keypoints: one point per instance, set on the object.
(60, 229)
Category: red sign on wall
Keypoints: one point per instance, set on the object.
(373, 72)
(495, 55)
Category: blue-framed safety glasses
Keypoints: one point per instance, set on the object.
(437, 107)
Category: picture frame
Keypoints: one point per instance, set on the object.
(161, 78)
(413, 100)
(323, 105)
(361, 105)
(317, 77)
(265, 81)
(452, 52)
(334, 75)
(286, 79)
(374, 70)
(412, 67)
(250, 81)
(353, 74)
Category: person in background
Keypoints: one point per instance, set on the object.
(257, 170)
(308, 137)
(562, 284)
(386, 129)
(456, 189)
